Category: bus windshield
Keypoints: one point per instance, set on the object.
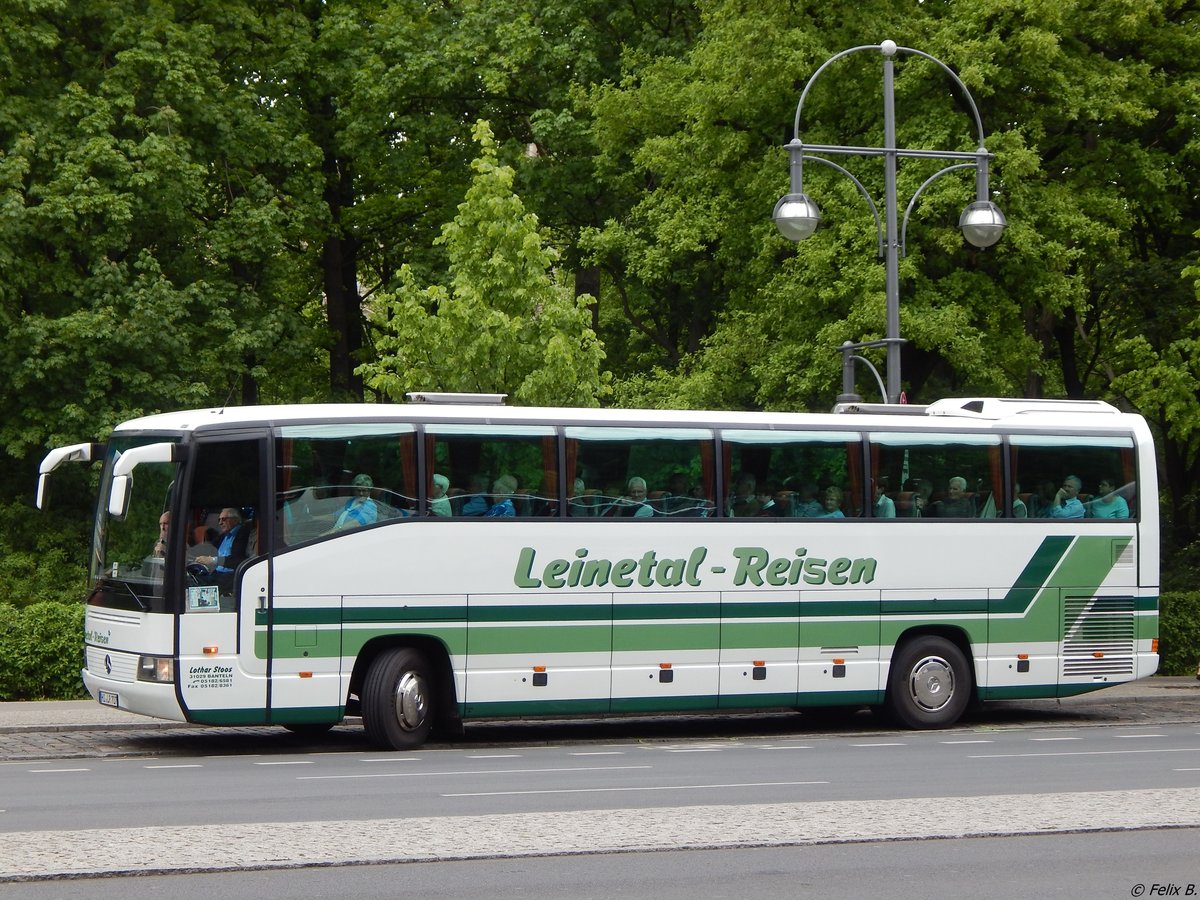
(127, 557)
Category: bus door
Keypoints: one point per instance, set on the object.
(223, 664)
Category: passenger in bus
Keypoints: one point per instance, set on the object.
(744, 501)
(202, 542)
(360, 509)
(476, 503)
(502, 506)
(885, 506)
(956, 504)
(703, 504)
(231, 551)
(1110, 504)
(633, 504)
(1019, 509)
(439, 502)
(776, 502)
(1067, 504)
(677, 499)
(1043, 499)
(581, 503)
(806, 505)
(832, 504)
(164, 526)
(922, 491)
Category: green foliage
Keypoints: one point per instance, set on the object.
(43, 557)
(41, 651)
(1179, 633)
(507, 323)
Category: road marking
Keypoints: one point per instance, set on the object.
(786, 747)
(52, 771)
(178, 766)
(475, 772)
(1138, 735)
(286, 762)
(235, 756)
(493, 756)
(1047, 740)
(620, 790)
(952, 743)
(598, 753)
(1090, 753)
(881, 744)
(389, 759)
(696, 750)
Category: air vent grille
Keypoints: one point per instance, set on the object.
(1098, 636)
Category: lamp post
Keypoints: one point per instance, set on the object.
(796, 215)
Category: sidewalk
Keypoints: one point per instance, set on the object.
(87, 715)
(72, 715)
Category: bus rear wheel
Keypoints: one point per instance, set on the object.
(929, 684)
(398, 699)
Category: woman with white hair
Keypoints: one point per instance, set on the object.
(502, 505)
(360, 509)
(439, 503)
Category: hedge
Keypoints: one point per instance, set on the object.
(1179, 633)
(41, 651)
(41, 646)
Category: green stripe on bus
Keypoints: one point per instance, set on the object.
(228, 716)
(665, 704)
(509, 708)
(1034, 576)
(933, 606)
(537, 639)
(840, 698)
(454, 613)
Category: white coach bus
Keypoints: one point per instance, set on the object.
(421, 565)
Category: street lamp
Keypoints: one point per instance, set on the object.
(797, 215)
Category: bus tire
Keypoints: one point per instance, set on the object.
(929, 683)
(398, 699)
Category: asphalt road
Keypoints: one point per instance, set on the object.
(104, 798)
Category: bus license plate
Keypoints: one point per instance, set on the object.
(108, 698)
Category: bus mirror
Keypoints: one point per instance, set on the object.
(118, 496)
(123, 466)
(43, 481)
(60, 455)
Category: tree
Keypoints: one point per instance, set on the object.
(1089, 107)
(149, 203)
(507, 323)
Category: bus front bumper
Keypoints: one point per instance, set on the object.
(141, 697)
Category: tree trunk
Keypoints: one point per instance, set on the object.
(339, 264)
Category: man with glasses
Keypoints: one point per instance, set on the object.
(232, 549)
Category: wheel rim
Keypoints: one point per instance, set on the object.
(412, 703)
(931, 683)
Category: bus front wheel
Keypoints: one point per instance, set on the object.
(397, 700)
(929, 684)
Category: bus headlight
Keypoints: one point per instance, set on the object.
(156, 668)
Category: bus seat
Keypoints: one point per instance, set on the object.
(1129, 492)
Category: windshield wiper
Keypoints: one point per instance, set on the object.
(137, 598)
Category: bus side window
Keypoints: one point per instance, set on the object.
(1069, 477)
(801, 474)
(641, 473)
(331, 480)
(492, 471)
(939, 475)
